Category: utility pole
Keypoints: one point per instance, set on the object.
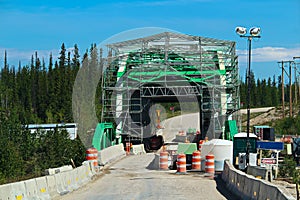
(295, 75)
(282, 89)
(297, 80)
(291, 95)
(290, 87)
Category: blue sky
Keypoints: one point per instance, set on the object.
(29, 25)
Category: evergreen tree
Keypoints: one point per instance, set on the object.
(264, 89)
(268, 93)
(75, 64)
(259, 91)
(253, 93)
(42, 93)
(50, 92)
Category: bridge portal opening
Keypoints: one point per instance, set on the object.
(170, 68)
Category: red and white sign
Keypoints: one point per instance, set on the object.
(269, 160)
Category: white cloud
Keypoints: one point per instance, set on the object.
(269, 54)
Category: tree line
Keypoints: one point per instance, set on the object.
(42, 93)
(264, 92)
(33, 94)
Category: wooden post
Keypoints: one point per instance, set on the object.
(282, 88)
(296, 81)
(276, 170)
(291, 95)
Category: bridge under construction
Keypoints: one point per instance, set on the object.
(170, 67)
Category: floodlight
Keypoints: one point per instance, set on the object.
(255, 31)
(241, 30)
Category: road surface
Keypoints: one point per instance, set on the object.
(129, 178)
(136, 177)
(179, 123)
(256, 110)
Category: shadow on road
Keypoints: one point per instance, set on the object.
(221, 187)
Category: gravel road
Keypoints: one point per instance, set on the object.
(129, 178)
(256, 110)
(135, 178)
(179, 123)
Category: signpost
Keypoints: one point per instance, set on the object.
(275, 146)
(270, 145)
(269, 161)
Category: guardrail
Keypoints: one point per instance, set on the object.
(248, 187)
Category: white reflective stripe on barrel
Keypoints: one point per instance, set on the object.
(163, 163)
(163, 157)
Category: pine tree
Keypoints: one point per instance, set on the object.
(263, 88)
(253, 95)
(75, 64)
(259, 92)
(274, 93)
(42, 92)
(51, 92)
(268, 93)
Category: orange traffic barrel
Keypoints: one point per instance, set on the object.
(210, 165)
(200, 144)
(92, 156)
(181, 164)
(128, 147)
(163, 160)
(196, 160)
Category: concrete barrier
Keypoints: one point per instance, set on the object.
(225, 174)
(248, 187)
(70, 180)
(76, 178)
(251, 187)
(83, 175)
(61, 187)
(67, 181)
(42, 188)
(270, 191)
(61, 180)
(52, 171)
(51, 185)
(31, 189)
(5, 192)
(47, 187)
(18, 191)
(110, 154)
(138, 149)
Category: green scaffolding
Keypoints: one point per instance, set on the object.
(171, 64)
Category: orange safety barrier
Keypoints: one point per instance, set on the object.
(181, 164)
(92, 156)
(196, 160)
(163, 160)
(128, 146)
(200, 144)
(210, 165)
